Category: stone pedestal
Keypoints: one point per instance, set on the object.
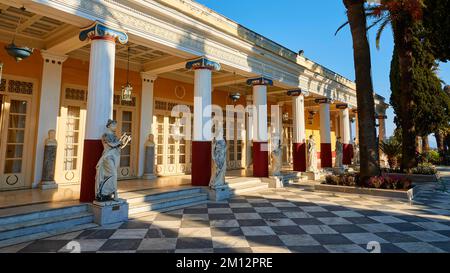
(48, 168)
(338, 170)
(274, 182)
(149, 167)
(220, 193)
(313, 175)
(110, 212)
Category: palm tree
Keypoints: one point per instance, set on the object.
(369, 156)
(392, 149)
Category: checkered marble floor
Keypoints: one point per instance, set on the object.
(292, 219)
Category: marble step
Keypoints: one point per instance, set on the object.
(242, 180)
(168, 203)
(147, 213)
(39, 211)
(43, 235)
(45, 224)
(151, 195)
(249, 188)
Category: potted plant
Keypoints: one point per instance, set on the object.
(392, 149)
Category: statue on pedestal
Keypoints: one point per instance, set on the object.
(48, 168)
(219, 155)
(355, 152)
(339, 153)
(276, 155)
(106, 176)
(149, 172)
(312, 155)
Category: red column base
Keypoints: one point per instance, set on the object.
(260, 159)
(201, 163)
(326, 160)
(347, 154)
(299, 156)
(92, 151)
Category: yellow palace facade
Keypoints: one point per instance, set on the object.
(170, 51)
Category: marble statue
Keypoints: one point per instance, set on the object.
(312, 155)
(106, 176)
(276, 156)
(48, 168)
(355, 152)
(339, 153)
(219, 155)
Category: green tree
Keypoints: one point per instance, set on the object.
(436, 21)
(402, 15)
(431, 105)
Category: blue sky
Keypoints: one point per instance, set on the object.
(310, 25)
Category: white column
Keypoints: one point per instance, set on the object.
(101, 87)
(249, 133)
(260, 133)
(48, 106)
(276, 113)
(100, 98)
(298, 108)
(325, 125)
(345, 125)
(148, 81)
(202, 103)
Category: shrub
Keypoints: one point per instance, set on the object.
(425, 168)
(378, 182)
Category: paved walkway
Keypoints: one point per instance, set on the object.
(292, 219)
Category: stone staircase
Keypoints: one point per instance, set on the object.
(163, 200)
(32, 222)
(243, 185)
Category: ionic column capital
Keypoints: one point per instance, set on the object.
(203, 63)
(54, 58)
(323, 101)
(341, 106)
(100, 31)
(297, 92)
(259, 81)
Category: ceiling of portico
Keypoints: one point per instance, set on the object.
(139, 55)
(34, 29)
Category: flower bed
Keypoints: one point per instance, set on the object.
(424, 172)
(390, 181)
(390, 186)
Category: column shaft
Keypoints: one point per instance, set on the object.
(346, 141)
(325, 136)
(146, 117)
(260, 134)
(201, 144)
(99, 110)
(48, 107)
(299, 136)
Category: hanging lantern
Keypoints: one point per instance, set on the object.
(126, 92)
(285, 116)
(18, 52)
(127, 89)
(235, 96)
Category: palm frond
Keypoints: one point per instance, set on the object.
(380, 31)
(341, 27)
